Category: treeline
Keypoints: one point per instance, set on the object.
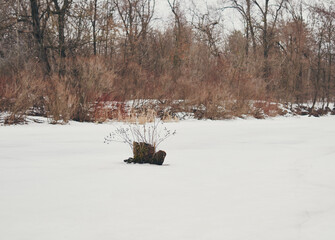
(65, 58)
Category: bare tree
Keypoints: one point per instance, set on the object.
(61, 12)
(269, 17)
(244, 7)
(135, 16)
(293, 42)
(206, 23)
(179, 31)
(94, 6)
(39, 29)
(323, 22)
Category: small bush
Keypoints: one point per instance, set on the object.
(74, 94)
(149, 130)
(61, 100)
(22, 92)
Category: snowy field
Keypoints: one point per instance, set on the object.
(268, 179)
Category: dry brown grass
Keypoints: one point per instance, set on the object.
(21, 93)
(74, 95)
(59, 97)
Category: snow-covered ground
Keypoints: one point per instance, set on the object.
(268, 179)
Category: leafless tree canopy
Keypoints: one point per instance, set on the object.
(60, 57)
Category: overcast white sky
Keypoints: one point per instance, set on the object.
(163, 12)
(231, 19)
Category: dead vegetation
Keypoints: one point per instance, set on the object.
(86, 62)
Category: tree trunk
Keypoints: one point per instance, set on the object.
(38, 35)
(317, 80)
(61, 37)
(250, 27)
(94, 26)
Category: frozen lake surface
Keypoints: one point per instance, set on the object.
(251, 179)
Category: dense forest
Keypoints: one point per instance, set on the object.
(66, 59)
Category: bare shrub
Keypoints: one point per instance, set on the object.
(143, 129)
(8, 92)
(74, 95)
(61, 100)
(22, 92)
(90, 79)
(262, 109)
